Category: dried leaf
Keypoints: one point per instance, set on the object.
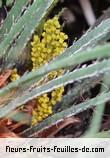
(52, 131)
(4, 76)
(5, 133)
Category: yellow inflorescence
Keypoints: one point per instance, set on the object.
(45, 105)
(51, 44)
(43, 109)
(56, 95)
(14, 75)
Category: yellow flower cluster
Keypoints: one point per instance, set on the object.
(56, 95)
(45, 105)
(42, 111)
(55, 74)
(51, 44)
(14, 75)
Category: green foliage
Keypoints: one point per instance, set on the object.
(67, 113)
(12, 18)
(73, 59)
(9, 2)
(23, 28)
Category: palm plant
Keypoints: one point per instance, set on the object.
(23, 20)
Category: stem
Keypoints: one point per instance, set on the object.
(88, 12)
